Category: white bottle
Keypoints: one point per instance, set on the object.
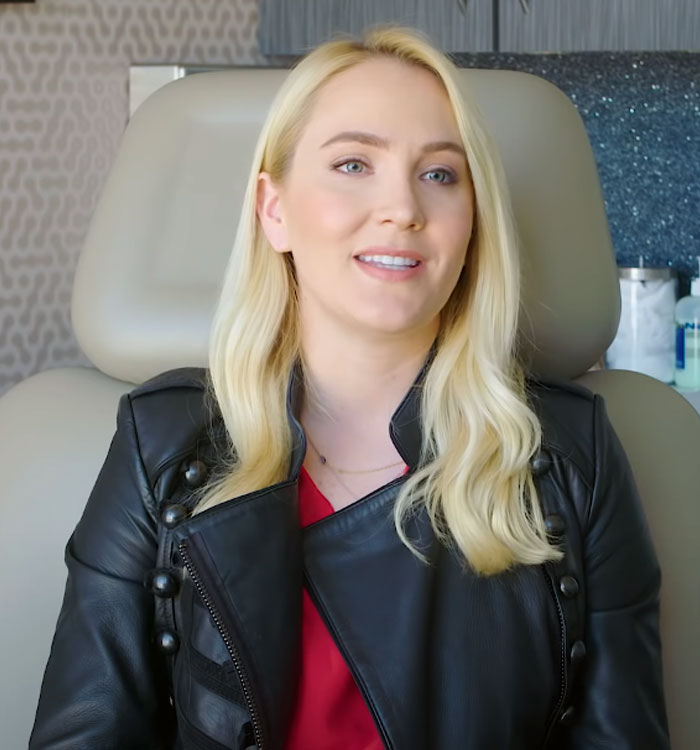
(688, 338)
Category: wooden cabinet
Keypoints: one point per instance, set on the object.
(600, 25)
(291, 27)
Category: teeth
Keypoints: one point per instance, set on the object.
(389, 260)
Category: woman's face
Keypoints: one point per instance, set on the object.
(377, 206)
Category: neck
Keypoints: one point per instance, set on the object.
(353, 382)
(353, 386)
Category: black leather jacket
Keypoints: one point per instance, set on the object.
(205, 655)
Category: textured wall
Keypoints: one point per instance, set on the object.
(63, 108)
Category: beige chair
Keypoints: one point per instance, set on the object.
(144, 293)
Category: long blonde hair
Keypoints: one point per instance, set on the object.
(479, 432)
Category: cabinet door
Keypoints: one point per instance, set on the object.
(292, 27)
(577, 25)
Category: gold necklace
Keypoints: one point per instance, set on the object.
(337, 470)
(349, 490)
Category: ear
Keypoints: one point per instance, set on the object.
(269, 210)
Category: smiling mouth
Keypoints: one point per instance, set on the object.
(392, 262)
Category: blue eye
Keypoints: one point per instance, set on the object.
(353, 166)
(439, 176)
(443, 176)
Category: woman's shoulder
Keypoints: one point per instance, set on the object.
(567, 412)
(558, 400)
(172, 416)
(194, 378)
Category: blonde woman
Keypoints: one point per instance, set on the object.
(364, 527)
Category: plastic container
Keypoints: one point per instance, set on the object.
(688, 338)
(645, 337)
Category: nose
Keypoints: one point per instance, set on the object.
(400, 204)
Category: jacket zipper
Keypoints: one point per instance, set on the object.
(562, 631)
(251, 704)
(356, 675)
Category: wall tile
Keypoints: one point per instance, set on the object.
(63, 108)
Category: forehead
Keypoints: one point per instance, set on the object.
(392, 98)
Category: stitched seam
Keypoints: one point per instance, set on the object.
(149, 500)
(172, 459)
(567, 459)
(119, 579)
(597, 404)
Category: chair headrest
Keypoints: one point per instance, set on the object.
(148, 277)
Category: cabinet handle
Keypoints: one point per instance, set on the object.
(462, 5)
(524, 6)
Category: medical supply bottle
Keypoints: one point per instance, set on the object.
(688, 338)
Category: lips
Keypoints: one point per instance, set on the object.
(390, 264)
(388, 261)
(389, 258)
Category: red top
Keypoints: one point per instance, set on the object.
(330, 713)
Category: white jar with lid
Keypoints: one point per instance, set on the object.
(645, 340)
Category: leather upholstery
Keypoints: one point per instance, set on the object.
(177, 194)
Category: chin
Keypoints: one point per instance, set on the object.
(398, 325)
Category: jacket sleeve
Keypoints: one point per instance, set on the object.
(105, 687)
(622, 705)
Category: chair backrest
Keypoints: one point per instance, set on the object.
(148, 275)
(147, 283)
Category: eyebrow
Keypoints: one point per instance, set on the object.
(370, 139)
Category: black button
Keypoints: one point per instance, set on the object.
(541, 462)
(578, 652)
(172, 515)
(568, 586)
(195, 472)
(567, 717)
(554, 524)
(167, 641)
(164, 583)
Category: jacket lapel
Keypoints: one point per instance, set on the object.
(249, 556)
(245, 560)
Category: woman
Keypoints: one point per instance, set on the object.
(402, 543)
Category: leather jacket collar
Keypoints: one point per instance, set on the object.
(404, 428)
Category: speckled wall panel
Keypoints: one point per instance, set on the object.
(63, 108)
(642, 114)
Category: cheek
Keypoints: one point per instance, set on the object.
(319, 215)
(452, 210)
(456, 230)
